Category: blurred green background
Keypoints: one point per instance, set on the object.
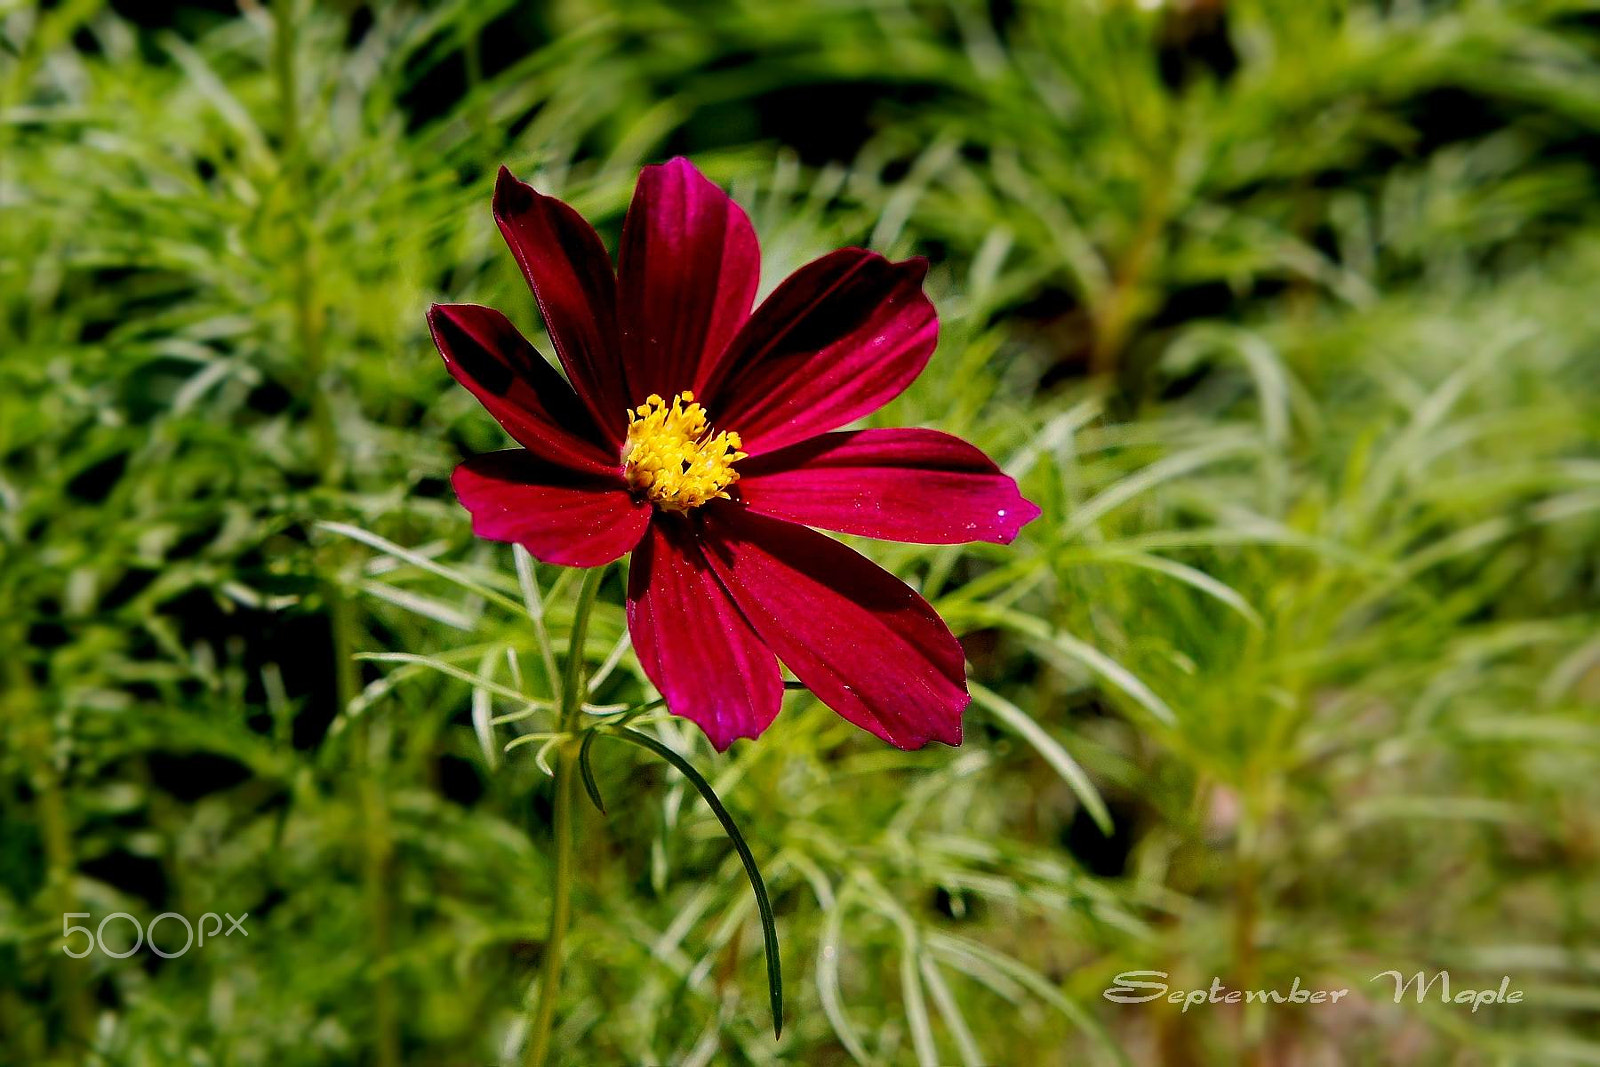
(1286, 313)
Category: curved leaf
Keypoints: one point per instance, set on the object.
(769, 929)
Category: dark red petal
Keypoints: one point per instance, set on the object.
(559, 516)
(841, 337)
(485, 353)
(686, 277)
(861, 639)
(570, 274)
(692, 641)
(921, 486)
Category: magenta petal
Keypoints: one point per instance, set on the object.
(687, 274)
(558, 516)
(485, 353)
(921, 486)
(694, 644)
(861, 639)
(841, 337)
(570, 274)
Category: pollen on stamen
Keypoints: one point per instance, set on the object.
(673, 457)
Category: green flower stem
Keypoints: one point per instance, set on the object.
(24, 720)
(572, 689)
(1246, 918)
(572, 694)
(310, 333)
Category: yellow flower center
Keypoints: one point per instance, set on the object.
(673, 457)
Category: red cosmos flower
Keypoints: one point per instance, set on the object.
(726, 578)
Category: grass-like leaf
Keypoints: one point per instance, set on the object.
(769, 928)
(1048, 747)
(586, 771)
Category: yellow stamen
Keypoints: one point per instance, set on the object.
(673, 457)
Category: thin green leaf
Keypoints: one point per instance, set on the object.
(388, 547)
(418, 604)
(1054, 640)
(1184, 573)
(1163, 470)
(586, 771)
(483, 713)
(769, 928)
(955, 948)
(950, 1009)
(828, 949)
(922, 1041)
(453, 671)
(1048, 747)
(533, 603)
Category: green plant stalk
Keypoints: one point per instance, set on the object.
(377, 845)
(377, 839)
(375, 874)
(308, 311)
(61, 868)
(31, 728)
(1246, 914)
(538, 1045)
(20, 713)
